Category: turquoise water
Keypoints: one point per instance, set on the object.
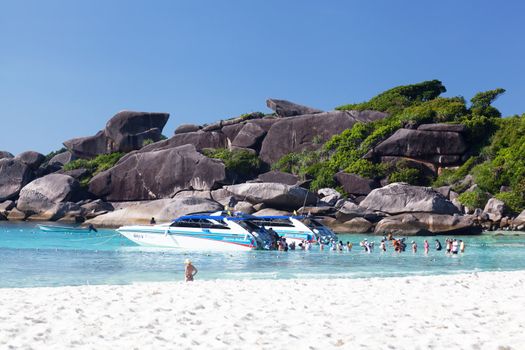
(29, 258)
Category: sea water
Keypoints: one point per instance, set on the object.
(30, 257)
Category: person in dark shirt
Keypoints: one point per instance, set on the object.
(438, 244)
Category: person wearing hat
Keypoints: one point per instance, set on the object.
(190, 271)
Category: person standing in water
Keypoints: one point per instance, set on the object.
(414, 247)
(438, 245)
(426, 246)
(190, 271)
(455, 247)
(461, 246)
(383, 245)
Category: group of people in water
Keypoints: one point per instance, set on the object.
(452, 245)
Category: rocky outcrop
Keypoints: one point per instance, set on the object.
(47, 197)
(5, 154)
(16, 215)
(427, 224)
(163, 210)
(279, 177)
(199, 140)
(158, 174)
(62, 158)
(328, 196)
(399, 198)
(250, 136)
(519, 221)
(14, 174)
(31, 158)
(275, 195)
(285, 108)
(309, 132)
(348, 211)
(6, 206)
(495, 209)
(184, 128)
(96, 208)
(244, 207)
(125, 132)
(271, 212)
(439, 147)
(355, 225)
(460, 128)
(355, 184)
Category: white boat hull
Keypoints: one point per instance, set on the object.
(182, 241)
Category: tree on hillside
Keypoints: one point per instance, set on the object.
(481, 103)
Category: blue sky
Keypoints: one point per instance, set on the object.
(67, 66)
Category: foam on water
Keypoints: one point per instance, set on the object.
(29, 257)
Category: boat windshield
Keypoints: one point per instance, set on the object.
(264, 239)
(279, 222)
(248, 225)
(201, 223)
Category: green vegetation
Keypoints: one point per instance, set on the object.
(473, 199)
(396, 99)
(407, 105)
(147, 142)
(94, 166)
(409, 175)
(241, 162)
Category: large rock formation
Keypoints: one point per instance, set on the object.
(355, 184)
(309, 132)
(163, 210)
(427, 223)
(285, 108)
(275, 195)
(5, 154)
(62, 158)
(125, 132)
(47, 196)
(158, 174)
(355, 225)
(495, 209)
(438, 147)
(14, 174)
(399, 198)
(184, 128)
(279, 177)
(198, 139)
(250, 136)
(31, 158)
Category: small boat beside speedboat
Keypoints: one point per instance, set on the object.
(202, 232)
(56, 228)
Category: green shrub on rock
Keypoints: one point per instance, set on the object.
(473, 199)
(411, 176)
(96, 165)
(241, 162)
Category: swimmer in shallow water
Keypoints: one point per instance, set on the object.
(189, 271)
(438, 245)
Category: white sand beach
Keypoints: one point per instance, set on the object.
(467, 311)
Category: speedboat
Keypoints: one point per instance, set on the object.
(297, 228)
(202, 232)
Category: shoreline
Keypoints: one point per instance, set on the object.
(474, 310)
